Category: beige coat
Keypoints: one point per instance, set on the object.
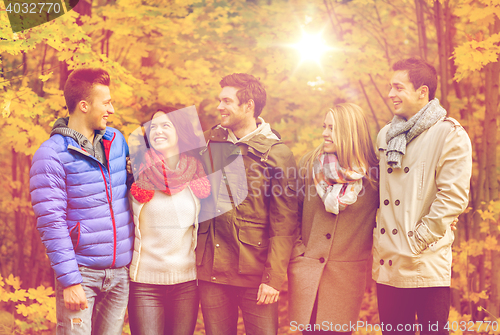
(336, 257)
(412, 241)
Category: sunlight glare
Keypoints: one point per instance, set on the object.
(311, 47)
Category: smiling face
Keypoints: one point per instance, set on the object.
(406, 99)
(233, 116)
(163, 136)
(100, 108)
(329, 126)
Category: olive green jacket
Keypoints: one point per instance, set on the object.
(247, 225)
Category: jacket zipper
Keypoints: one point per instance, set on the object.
(109, 195)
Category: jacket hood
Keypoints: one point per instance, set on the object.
(61, 127)
(263, 128)
(261, 139)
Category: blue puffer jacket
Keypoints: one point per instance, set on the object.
(81, 206)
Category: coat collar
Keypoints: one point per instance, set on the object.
(262, 140)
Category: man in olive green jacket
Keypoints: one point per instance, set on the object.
(247, 225)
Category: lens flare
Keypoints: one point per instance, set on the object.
(312, 47)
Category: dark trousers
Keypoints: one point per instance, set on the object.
(219, 304)
(163, 309)
(397, 308)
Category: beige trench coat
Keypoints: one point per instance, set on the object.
(336, 257)
(412, 240)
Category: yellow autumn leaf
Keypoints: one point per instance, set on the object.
(4, 295)
(17, 295)
(494, 206)
(6, 108)
(41, 293)
(480, 13)
(487, 215)
(45, 77)
(491, 243)
(22, 309)
(13, 281)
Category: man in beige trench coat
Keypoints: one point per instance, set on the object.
(425, 169)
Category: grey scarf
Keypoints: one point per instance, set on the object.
(402, 132)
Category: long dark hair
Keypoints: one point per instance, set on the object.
(183, 126)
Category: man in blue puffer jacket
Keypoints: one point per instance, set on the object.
(79, 195)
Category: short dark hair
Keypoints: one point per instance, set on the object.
(248, 87)
(420, 73)
(182, 124)
(80, 83)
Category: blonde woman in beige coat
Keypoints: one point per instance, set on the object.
(339, 200)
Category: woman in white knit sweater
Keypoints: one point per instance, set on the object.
(165, 203)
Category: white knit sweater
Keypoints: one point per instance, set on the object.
(165, 238)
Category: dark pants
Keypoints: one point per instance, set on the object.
(219, 304)
(163, 309)
(397, 308)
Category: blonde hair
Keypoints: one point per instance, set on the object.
(352, 139)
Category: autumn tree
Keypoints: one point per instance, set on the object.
(175, 52)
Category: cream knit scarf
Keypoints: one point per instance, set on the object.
(336, 186)
(402, 132)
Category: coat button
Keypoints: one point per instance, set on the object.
(217, 245)
(386, 202)
(397, 202)
(390, 263)
(382, 231)
(394, 231)
(381, 262)
(322, 260)
(213, 278)
(328, 236)
(389, 170)
(258, 243)
(410, 233)
(407, 169)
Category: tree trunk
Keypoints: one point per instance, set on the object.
(384, 99)
(422, 37)
(492, 72)
(370, 105)
(19, 223)
(443, 59)
(450, 34)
